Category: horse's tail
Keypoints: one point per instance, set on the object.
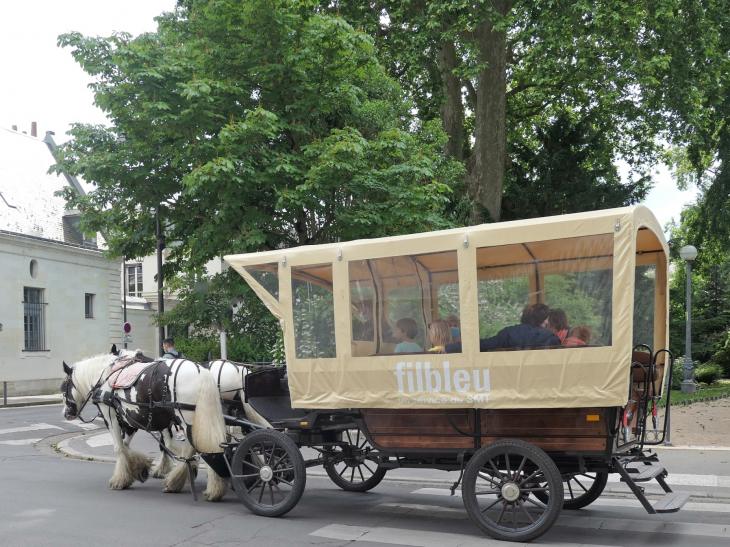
(209, 429)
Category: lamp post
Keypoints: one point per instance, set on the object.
(121, 139)
(160, 294)
(688, 254)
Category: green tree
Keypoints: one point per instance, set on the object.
(494, 71)
(250, 126)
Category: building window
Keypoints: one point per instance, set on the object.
(34, 319)
(134, 280)
(89, 301)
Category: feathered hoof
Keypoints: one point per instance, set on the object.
(119, 484)
(157, 473)
(212, 496)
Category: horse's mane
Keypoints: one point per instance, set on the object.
(87, 371)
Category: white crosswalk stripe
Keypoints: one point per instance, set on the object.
(597, 523)
(20, 442)
(419, 538)
(82, 425)
(32, 427)
(605, 502)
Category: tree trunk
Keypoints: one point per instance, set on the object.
(452, 110)
(485, 179)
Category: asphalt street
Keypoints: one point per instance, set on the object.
(60, 497)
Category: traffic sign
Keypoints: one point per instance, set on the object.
(127, 338)
(127, 328)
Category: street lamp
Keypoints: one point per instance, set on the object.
(121, 139)
(688, 254)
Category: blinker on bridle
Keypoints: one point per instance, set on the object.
(74, 411)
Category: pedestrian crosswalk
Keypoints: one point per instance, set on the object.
(582, 520)
(421, 538)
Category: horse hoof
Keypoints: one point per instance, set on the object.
(144, 474)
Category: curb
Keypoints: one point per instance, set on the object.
(696, 400)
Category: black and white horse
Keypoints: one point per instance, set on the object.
(171, 391)
(230, 379)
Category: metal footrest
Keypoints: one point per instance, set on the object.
(671, 502)
(648, 473)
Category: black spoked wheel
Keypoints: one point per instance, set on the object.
(580, 489)
(498, 482)
(268, 473)
(351, 470)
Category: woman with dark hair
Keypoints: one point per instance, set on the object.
(558, 323)
(531, 332)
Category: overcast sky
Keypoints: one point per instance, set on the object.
(42, 83)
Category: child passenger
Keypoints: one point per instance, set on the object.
(406, 330)
(440, 335)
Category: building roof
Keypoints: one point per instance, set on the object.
(28, 205)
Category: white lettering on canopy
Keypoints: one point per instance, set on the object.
(433, 379)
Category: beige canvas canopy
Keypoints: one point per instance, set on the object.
(358, 317)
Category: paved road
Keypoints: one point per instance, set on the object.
(48, 498)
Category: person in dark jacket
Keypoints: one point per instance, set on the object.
(531, 332)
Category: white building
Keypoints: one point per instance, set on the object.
(59, 296)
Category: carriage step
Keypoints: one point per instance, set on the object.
(649, 473)
(671, 502)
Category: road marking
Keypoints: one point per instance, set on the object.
(418, 538)
(648, 526)
(679, 479)
(605, 502)
(33, 427)
(82, 425)
(105, 439)
(597, 523)
(20, 442)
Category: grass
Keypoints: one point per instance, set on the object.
(713, 391)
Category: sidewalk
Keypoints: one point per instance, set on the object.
(33, 400)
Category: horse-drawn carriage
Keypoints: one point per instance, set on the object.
(529, 427)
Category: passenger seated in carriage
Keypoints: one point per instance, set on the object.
(406, 330)
(439, 333)
(455, 325)
(531, 332)
(579, 336)
(558, 323)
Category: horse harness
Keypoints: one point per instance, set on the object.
(112, 399)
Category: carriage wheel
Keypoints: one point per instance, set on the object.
(580, 489)
(268, 473)
(353, 472)
(498, 482)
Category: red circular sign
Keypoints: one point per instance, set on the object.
(127, 328)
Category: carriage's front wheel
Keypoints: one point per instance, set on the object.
(498, 481)
(268, 473)
(352, 471)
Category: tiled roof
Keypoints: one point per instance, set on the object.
(27, 203)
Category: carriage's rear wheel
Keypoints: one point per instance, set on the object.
(352, 471)
(497, 485)
(580, 489)
(268, 473)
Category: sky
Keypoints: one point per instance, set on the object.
(41, 82)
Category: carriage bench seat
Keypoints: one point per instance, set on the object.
(264, 392)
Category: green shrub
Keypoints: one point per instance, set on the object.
(198, 348)
(678, 373)
(707, 374)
